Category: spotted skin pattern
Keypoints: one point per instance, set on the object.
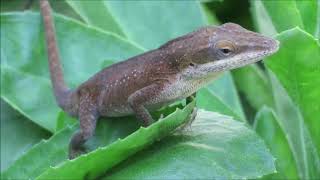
(153, 79)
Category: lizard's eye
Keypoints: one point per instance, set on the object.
(225, 51)
(191, 64)
(225, 48)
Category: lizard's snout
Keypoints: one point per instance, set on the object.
(271, 45)
(275, 44)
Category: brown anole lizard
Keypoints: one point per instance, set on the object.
(155, 78)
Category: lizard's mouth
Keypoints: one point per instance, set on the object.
(215, 67)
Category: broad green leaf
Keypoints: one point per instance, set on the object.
(41, 156)
(18, 135)
(96, 162)
(277, 16)
(291, 120)
(266, 125)
(30, 95)
(280, 18)
(151, 24)
(309, 12)
(17, 5)
(292, 123)
(211, 17)
(22, 37)
(12, 5)
(146, 23)
(254, 84)
(221, 96)
(108, 131)
(261, 18)
(96, 13)
(214, 147)
(206, 99)
(297, 66)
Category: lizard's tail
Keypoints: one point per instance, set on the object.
(61, 91)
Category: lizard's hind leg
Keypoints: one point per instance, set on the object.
(88, 116)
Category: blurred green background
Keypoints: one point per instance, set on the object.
(277, 100)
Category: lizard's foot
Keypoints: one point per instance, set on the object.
(188, 123)
(74, 153)
(189, 99)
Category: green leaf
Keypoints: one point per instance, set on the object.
(41, 156)
(299, 72)
(271, 18)
(56, 148)
(149, 24)
(12, 5)
(30, 95)
(23, 37)
(292, 122)
(214, 147)
(96, 13)
(309, 12)
(266, 125)
(254, 84)
(93, 164)
(211, 17)
(108, 131)
(18, 135)
(292, 116)
(221, 96)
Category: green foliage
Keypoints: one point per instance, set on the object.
(291, 121)
(284, 15)
(285, 94)
(266, 125)
(102, 158)
(93, 164)
(16, 138)
(240, 154)
(289, 87)
(252, 81)
(225, 102)
(300, 79)
(139, 21)
(41, 156)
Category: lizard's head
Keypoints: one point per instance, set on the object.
(211, 50)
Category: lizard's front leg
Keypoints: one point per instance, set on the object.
(139, 99)
(88, 116)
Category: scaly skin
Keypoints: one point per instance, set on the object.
(154, 79)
